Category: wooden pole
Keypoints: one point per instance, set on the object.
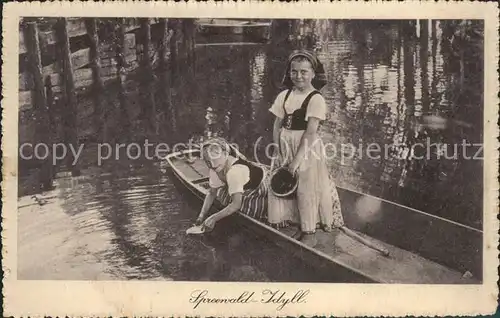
(163, 85)
(409, 69)
(174, 49)
(50, 104)
(97, 85)
(52, 126)
(147, 70)
(35, 60)
(354, 235)
(165, 75)
(192, 43)
(182, 41)
(42, 126)
(424, 59)
(435, 78)
(163, 44)
(146, 42)
(70, 124)
(188, 30)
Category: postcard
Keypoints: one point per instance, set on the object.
(250, 159)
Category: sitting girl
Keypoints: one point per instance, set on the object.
(238, 184)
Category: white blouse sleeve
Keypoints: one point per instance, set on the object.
(213, 180)
(316, 108)
(277, 107)
(237, 177)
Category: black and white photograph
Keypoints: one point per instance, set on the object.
(252, 150)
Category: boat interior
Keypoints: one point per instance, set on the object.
(414, 240)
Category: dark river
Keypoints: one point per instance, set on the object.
(393, 84)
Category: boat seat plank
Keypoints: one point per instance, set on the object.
(201, 180)
(200, 166)
(188, 169)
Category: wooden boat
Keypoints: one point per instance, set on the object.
(258, 31)
(423, 249)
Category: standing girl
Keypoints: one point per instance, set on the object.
(299, 111)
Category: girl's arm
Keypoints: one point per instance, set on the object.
(234, 206)
(236, 178)
(276, 130)
(306, 143)
(207, 204)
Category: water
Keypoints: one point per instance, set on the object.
(385, 87)
(128, 221)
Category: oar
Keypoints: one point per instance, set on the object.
(366, 242)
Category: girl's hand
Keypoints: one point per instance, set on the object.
(293, 167)
(199, 221)
(275, 163)
(209, 223)
(276, 153)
